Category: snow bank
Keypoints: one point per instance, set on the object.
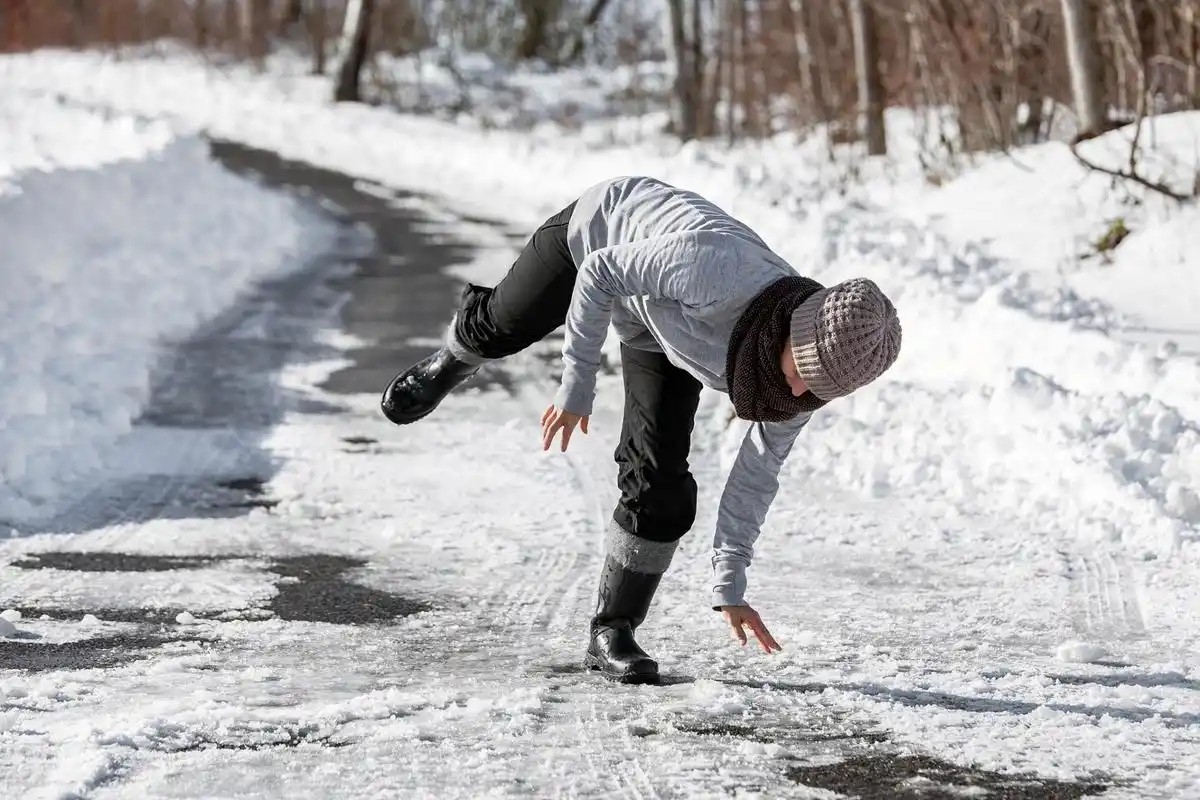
(131, 238)
(47, 132)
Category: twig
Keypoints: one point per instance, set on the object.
(1131, 175)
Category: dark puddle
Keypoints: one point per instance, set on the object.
(318, 592)
(98, 652)
(890, 777)
(311, 588)
(1149, 680)
(114, 562)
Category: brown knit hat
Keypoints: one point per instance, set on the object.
(844, 337)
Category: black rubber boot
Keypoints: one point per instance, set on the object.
(416, 392)
(622, 606)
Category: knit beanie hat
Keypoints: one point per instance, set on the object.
(844, 337)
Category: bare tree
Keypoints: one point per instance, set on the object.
(200, 23)
(690, 116)
(352, 53)
(705, 111)
(1191, 53)
(538, 15)
(870, 83)
(257, 23)
(810, 74)
(315, 22)
(293, 15)
(683, 94)
(1082, 55)
(574, 50)
(231, 20)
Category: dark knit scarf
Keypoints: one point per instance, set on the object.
(752, 372)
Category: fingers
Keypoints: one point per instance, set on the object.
(738, 633)
(553, 420)
(765, 639)
(547, 418)
(549, 428)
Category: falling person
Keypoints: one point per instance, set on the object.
(697, 299)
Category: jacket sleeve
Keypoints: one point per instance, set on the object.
(749, 491)
(689, 267)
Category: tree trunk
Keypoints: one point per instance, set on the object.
(728, 57)
(575, 50)
(200, 23)
(352, 53)
(80, 23)
(293, 15)
(704, 110)
(683, 94)
(1193, 57)
(315, 21)
(870, 82)
(1083, 57)
(233, 25)
(810, 75)
(258, 17)
(538, 15)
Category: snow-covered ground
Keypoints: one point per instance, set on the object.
(988, 560)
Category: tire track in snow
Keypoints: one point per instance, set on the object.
(1103, 595)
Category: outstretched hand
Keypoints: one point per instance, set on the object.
(742, 617)
(555, 419)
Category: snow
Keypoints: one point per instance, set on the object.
(990, 557)
(11, 615)
(89, 222)
(185, 618)
(1080, 652)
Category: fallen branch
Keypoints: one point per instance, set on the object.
(1131, 174)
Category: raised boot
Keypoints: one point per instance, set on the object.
(624, 600)
(416, 392)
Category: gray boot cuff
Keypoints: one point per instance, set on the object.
(459, 350)
(637, 554)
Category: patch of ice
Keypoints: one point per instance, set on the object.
(7, 628)
(1080, 652)
(90, 619)
(185, 618)
(10, 614)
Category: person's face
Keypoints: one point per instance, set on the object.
(788, 365)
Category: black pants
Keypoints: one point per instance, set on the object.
(658, 492)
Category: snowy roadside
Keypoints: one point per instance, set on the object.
(119, 235)
(1027, 479)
